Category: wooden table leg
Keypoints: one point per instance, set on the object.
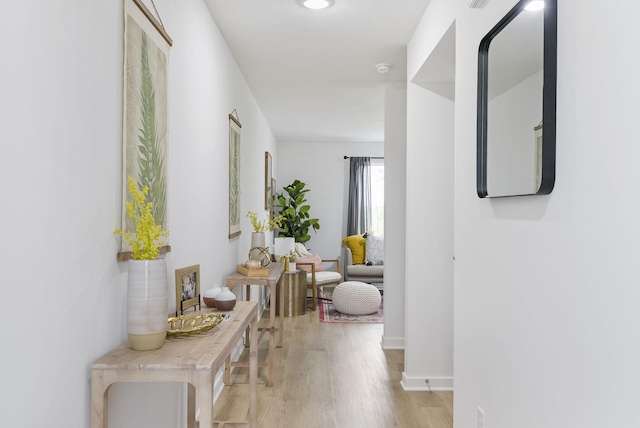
(99, 404)
(203, 383)
(227, 371)
(272, 333)
(253, 373)
(281, 318)
(191, 406)
(247, 298)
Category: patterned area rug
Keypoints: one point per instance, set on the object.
(328, 313)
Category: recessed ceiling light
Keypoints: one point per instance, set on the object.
(316, 4)
(535, 5)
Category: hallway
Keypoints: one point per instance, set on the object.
(335, 375)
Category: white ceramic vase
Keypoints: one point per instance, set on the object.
(225, 300)
(209, 296)
(147, 304)
(257, 239)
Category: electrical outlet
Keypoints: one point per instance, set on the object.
(480, 418)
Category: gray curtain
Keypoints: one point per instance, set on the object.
(359, 212)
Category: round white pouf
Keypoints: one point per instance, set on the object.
(356, 298)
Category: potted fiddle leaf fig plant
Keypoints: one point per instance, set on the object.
(296, 220)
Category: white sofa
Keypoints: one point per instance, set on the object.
(373, 274)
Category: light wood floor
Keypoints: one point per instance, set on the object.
(334, 375)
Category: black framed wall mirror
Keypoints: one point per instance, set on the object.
(516, 128)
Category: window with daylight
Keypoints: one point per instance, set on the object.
(377, 196)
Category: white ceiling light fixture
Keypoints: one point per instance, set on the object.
(316, 4)
(535, 5)
(383, 68)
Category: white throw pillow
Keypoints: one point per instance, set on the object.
(301, 250)
(375, 249)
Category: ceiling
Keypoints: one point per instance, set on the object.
(313, 72)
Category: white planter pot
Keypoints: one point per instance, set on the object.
(284, 246)
(147, 304)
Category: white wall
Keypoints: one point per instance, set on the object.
(429, 237)
(61, 85)
(395, 197)
(546, 301)
(63, 291)
(321, 165)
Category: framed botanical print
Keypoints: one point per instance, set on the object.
(234, 176)
(145, 129)
(272, 213)
(267, 180)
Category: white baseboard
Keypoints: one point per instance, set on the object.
(419, 384)
(392, 342)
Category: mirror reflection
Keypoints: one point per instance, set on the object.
(512, 154)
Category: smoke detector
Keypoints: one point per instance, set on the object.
(383, 68)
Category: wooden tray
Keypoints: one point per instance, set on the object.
(253, 272)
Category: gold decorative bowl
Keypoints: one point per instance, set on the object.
(192, 324)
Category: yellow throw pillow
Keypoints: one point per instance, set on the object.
(357, 244)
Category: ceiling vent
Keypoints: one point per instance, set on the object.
(476, 4)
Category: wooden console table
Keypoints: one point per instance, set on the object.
(193, 359)
(271, 281)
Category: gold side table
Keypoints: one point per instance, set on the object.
(295, 293)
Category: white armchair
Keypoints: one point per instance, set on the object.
(317, 275)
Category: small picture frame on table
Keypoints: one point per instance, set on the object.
(187, 288)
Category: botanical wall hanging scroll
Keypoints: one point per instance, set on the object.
(272, 212)
(234, 175)
(145, 133)
(268, 172)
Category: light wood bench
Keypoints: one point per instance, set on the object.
(193, 359)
